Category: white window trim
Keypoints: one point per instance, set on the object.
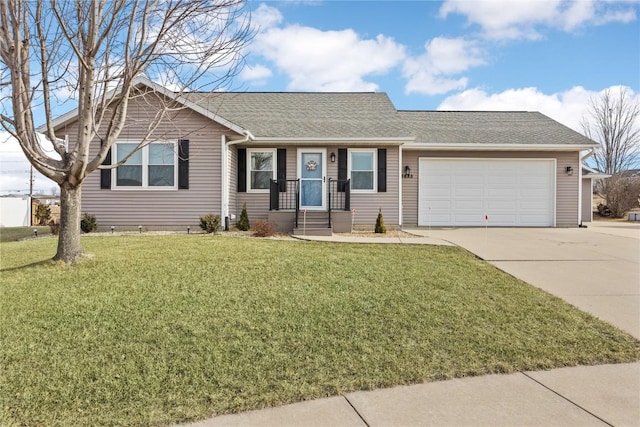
(373, 151)
(145, 167)
(274, 153)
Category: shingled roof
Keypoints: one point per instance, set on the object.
(488, 127)
(305, 114)
(370, 115)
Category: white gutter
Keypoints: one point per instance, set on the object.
(248, 137)
(498, 147)
(591, 152)
(333, 141)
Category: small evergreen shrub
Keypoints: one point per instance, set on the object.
(88, 223)
(43, 214)
(264, 228)
(380, 227)
(210, 223)
(243, 223)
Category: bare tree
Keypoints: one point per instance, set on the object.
(613, 120)
(95, 50)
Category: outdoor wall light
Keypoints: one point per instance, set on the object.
(407, 172)
(333, 157)
(569, 170)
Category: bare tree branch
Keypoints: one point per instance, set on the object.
(613, 120)
(92, 52)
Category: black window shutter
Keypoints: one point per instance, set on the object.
(242, 170)
(105, 174)
(282, 170)
(342, 168)
(183, 164)
(382, 170)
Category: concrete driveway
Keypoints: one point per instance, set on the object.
(597, 269)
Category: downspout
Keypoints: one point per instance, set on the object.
(400, 201)
(248, 137)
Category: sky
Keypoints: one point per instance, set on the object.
(548, 56)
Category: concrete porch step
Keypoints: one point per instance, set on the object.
(315, 231)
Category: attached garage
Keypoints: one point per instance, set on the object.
(479, 191)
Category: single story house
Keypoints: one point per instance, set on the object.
(333, 160)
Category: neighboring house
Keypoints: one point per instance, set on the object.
(332, 159)
(588, 177)
(14, 211)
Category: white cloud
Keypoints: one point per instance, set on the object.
(427, 74)
(257, 74)
(566, 107)
(318, 60)
(526, 18)
(265, 17)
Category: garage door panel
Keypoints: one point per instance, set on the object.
(466, 219)
(460, 192)
(467, 180)
(503, 219)
(498, 205)
(469, 192)
(532, 193)
(437, 204)
(440, 193)
(508, 192)
(475, 205)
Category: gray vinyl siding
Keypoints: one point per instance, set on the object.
(159, 209)
(368, 204)
(587, 200)
(365, 204)
(566, 186)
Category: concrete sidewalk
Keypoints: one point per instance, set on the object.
(595, 269)
(581, 396)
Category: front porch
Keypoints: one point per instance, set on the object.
(286, 212)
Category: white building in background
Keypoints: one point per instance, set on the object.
(15, 211)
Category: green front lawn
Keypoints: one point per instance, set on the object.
(162, 329)
(11, 234)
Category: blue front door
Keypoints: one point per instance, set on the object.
(312, 171)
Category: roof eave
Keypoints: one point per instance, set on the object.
(333, 141)
(497, 147)
(141, 80)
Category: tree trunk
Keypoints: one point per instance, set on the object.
(69, 248)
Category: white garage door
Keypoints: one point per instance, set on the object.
(509, 192)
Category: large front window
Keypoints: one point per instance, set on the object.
(261, 169)
(152, 166)
(362, 170)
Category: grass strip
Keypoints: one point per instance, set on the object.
(162, 329)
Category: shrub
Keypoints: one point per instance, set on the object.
(210, 223)
(264, 228)
(43, 214)
(621, 194)
(88, 223)
(380, 228)
(243, 223)
(55, 227)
